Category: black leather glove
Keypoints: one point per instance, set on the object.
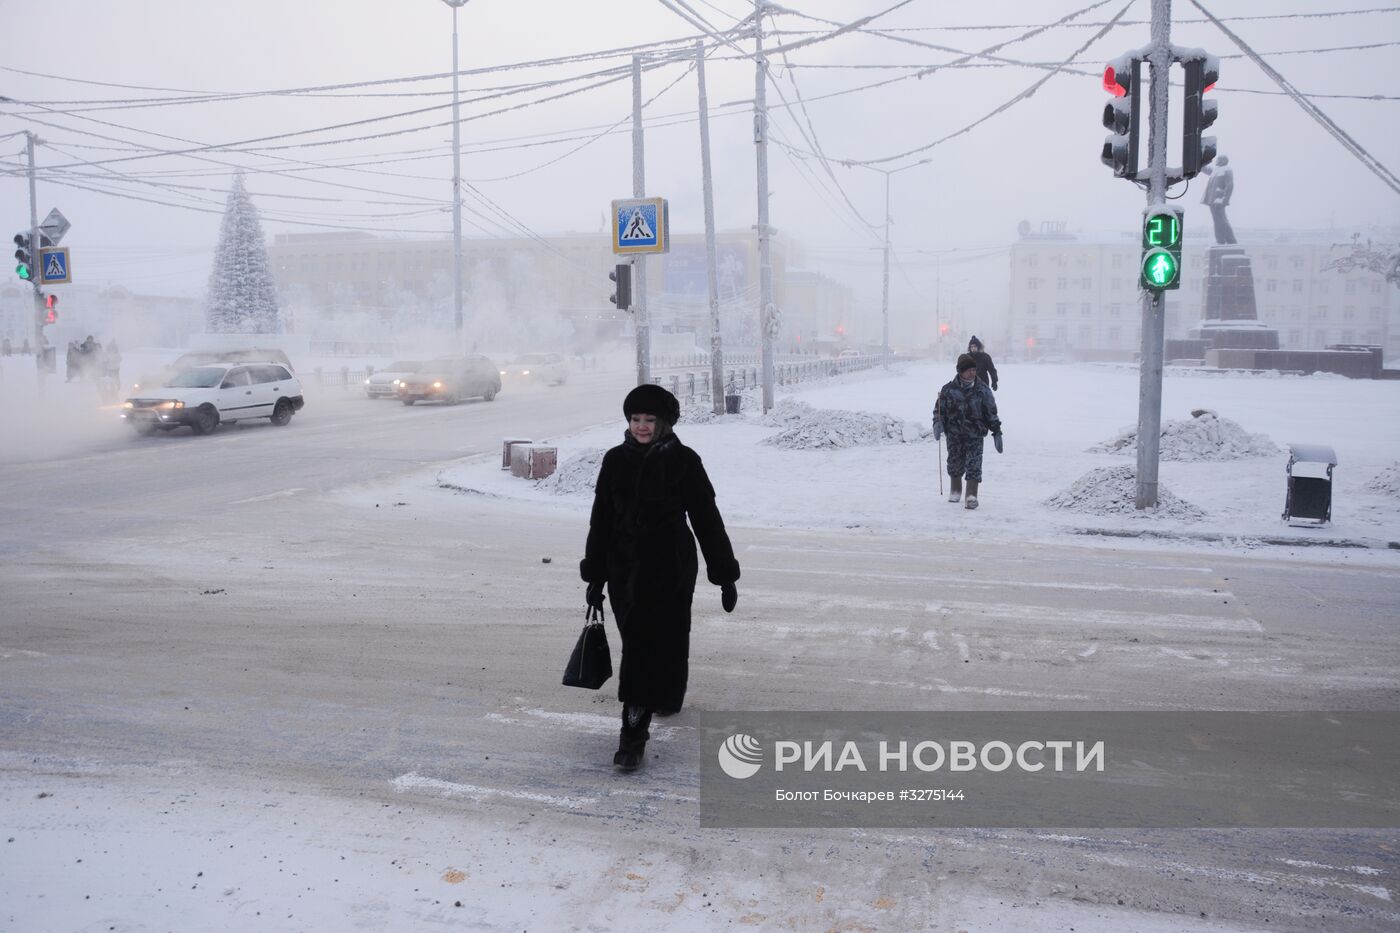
(728, 597)
(996, 439)
(594, 597)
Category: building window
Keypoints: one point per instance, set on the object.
(1117, 261)
(1350, 286)
(1030, 309)
(1295, 338)
(1297, 262)
(1348, 336)
(1086, 336)
(1115, 310)
(1271, 262)
(1115, 334)
(1061, 284)
(1349, 313)
(1086, 309)
(1271, 285)
(1062, 309)
(1086, 284)
(1373, 336)
(1297, 286)
(1323, 287)
(1033, 283)
(1375, 314)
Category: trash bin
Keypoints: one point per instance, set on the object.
(1309, 483)
(731, 404)
(506, 445)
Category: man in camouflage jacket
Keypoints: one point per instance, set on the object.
(965, 411)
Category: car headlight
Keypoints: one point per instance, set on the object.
(398, 382)
(128, 405)
(366, 382)
(437, 385)
(524, 372)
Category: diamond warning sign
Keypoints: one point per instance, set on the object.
(641, 225)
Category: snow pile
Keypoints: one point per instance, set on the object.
(1207, 436)
(576, 475)
(808, 428)
(1113, 491)
(1387, 481)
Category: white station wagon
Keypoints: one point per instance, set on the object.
(204, 396)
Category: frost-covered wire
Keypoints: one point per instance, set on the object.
(1310, 108)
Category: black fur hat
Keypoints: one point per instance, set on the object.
(974, 342)
(966, 362)
(648, 399)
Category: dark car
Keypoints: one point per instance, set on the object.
(450, 379)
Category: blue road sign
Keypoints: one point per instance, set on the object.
(641, 225)
(54, 268)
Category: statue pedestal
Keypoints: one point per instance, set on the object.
(1231, 315)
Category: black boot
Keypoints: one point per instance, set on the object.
(632, 743)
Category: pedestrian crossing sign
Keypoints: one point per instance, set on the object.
(54, 268)
(641, 225)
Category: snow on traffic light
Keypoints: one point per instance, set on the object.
(1121, 78)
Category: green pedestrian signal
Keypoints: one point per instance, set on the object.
(1160, 270)
(1161, 248)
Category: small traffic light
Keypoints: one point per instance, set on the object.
(1161, 248)
(1121, 115)
(51, 303)
(622, 278)
(24, 269)
(1198, 151)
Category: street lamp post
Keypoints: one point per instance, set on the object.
(456, 182)
(885, 290)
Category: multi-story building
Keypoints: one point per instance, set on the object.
(1078, 294)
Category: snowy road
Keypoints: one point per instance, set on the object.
(336, 697)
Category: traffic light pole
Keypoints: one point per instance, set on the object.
(639, 267)
(1154, 303)
(36, 267)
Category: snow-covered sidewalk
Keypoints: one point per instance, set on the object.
(1222, 477)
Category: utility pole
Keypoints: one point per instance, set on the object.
(711, 262)
(456, 184)
(767, 313)
(1154, 304)
(639, 263)
(885, 289)
(36, 266)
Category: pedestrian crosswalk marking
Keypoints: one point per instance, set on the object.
(637, 228)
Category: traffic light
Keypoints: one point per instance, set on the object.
(51, 303)
(1198, 151)
(24, 269)
(1161, 248)
(1121, 115)
(24, 256)
(622, 279)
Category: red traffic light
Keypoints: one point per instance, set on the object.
(942, 329)
(51, 302)
(1110, 83)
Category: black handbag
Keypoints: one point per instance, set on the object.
(590, 665)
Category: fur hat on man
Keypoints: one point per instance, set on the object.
(974, 342)
(966, 362)
(648, 399)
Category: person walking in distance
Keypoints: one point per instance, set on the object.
(641, 548)
(965, 411)
(986, 369)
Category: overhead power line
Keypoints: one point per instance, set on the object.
(1310, 108)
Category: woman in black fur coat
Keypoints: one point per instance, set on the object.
(640, 545)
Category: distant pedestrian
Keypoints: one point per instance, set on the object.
(5, 347)
(72, 362)
(964, 412)
(986, 369)
(640, 546)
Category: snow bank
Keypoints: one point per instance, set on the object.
(576, 475)
(1207, 436)
(1387, 481)
(808, 428)
(1113, 491)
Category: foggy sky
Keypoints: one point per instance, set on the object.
(1036, 161)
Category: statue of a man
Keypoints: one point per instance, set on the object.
(1217, 197)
